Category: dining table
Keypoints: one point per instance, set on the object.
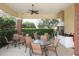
(43, 43)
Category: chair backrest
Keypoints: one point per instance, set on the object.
(51, 40)
(36, 48)
(55, 42)
(41, 37)
(15, 37)
(27, 35)
(28, 41)
(35, 36)
(46, 34)
(6, 39)
(44, 37)
(21, 37)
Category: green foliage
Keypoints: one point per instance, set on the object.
(7, 28)
(1, 22)
(2, 40)
(47, 23)
(38, 31)
(28, 25)
(8, 34)
(7, 23)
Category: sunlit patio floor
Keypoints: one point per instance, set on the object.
(16, 51)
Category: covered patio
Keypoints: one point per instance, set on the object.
(68, 31)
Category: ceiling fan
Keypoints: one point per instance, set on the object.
(33, 11)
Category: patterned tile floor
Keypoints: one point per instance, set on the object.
(16, 51)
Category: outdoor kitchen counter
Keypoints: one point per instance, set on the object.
(66, 41)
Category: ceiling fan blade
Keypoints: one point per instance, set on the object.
(32, 11)
(27, 12)
(37, 12)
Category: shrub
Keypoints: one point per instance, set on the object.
(8, 34)
(7, 28)
(38, 31)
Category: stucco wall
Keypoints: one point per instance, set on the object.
(69, 17)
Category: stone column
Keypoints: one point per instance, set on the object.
(19, 25)
(76, 32)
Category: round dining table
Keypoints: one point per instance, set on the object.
(43, 43)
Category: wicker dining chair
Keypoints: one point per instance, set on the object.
(9, 42)
(16, 39)
(35, 36)
(28, 41)
(36, 49)
(44, 37)
(21, 37)
(46, 34)
(21, 40)
(53, 46)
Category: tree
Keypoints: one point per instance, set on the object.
(53, 23)
(47, 23)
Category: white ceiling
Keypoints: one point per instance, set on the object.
(42, 7)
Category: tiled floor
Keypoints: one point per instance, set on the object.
(15, 51)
